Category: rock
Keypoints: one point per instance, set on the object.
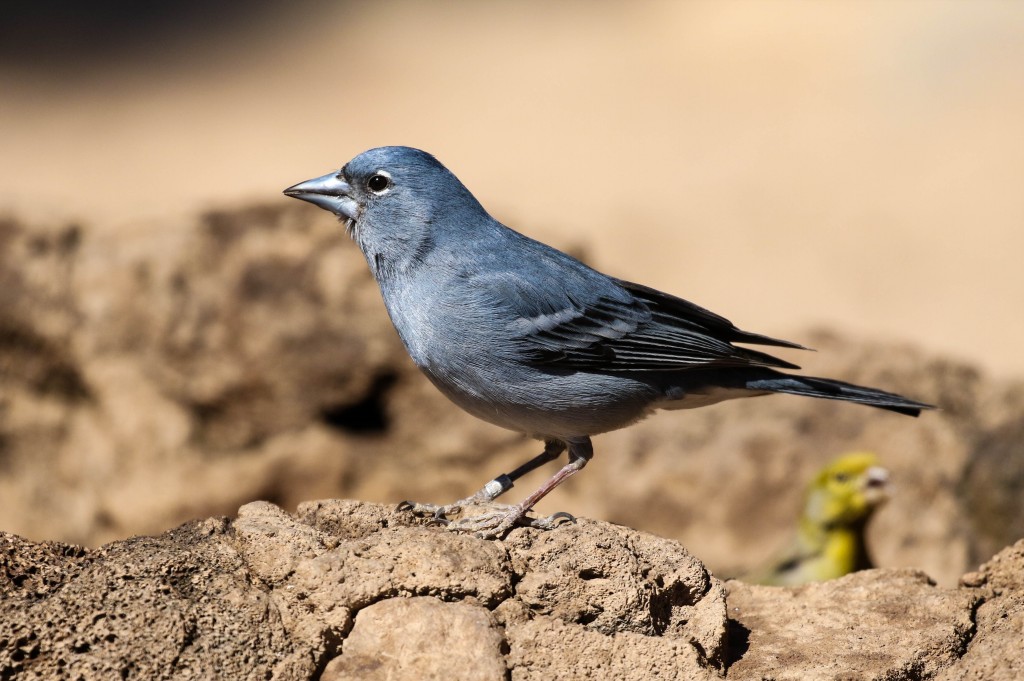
(421, 638)
(354, 590)
(603, 574)
(991, 489)
(868, 625)
(177, 605)
(995, 651)
(346, 590)
(547, 648)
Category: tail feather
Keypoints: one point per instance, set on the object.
(837, 390)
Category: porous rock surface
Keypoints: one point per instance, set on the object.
(348, 590)
(352, 590)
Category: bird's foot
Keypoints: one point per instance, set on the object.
(495, 524)
(489, 493)
(492, 524)
(438, 512)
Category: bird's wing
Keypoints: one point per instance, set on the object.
(794, 564)
(572, 317)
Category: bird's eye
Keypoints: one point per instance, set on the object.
(841, 477)
(378, 183)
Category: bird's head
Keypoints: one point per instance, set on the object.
(847, 491)
(396, 202)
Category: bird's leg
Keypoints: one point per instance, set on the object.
(492, 490)
(496, 524)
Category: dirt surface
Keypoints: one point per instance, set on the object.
(350, 590)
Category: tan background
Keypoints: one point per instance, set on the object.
(858, 165)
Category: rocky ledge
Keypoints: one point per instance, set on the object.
(346, 589)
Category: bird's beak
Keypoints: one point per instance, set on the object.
(876, 485)
(329, 192)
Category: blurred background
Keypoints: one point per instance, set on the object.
(859, 164)
(850, 166)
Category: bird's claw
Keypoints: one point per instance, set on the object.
(438, 518)
(492, 524)
(552, 521)
(491, 491)
(438, 512)
(489, 525)
(495, 524)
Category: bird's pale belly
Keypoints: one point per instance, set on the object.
(547, 405)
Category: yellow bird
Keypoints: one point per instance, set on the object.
(830, 537)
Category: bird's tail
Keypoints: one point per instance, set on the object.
(835, 390)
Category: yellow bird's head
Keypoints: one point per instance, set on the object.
(847, 491)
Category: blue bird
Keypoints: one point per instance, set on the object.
(530, 339)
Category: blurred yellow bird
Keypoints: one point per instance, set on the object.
(830, 538)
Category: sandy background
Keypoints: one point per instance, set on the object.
(854, 164)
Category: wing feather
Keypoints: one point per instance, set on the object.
(611, 325)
